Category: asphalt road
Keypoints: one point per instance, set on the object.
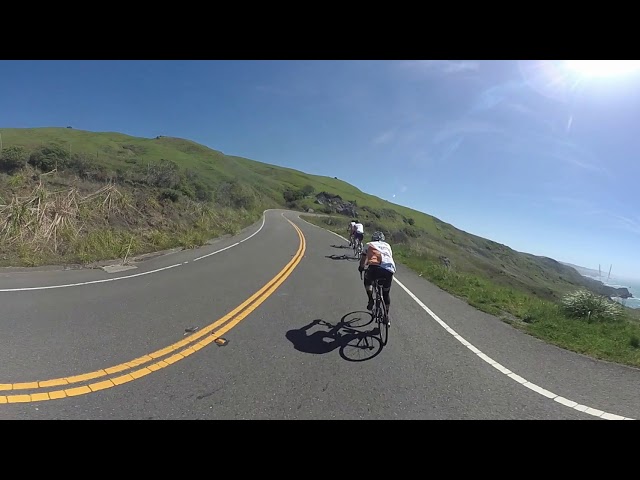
(88, 344)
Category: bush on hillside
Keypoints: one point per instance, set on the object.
(307, 190)
(587, 305)
(170, 194)
(236, 195)
(292, 195)
(13, 158)
(49, 157)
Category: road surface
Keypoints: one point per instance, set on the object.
(264, 326)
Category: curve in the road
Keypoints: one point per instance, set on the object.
(517, 378)
(212, 332)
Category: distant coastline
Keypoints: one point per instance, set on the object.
(633, 301)
(631, 286)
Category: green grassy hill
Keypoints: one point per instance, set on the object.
(116, 153)
(73, 196)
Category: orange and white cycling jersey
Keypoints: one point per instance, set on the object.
(380, 254)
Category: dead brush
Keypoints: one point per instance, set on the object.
(109, 200)
(42, 219)
(37, 219)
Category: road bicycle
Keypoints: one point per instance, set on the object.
(379, 311)
(357, 248)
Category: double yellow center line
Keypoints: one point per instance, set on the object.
(150, 363)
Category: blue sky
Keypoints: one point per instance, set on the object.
(532, 154)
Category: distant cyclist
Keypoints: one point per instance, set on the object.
(351, 228)
(377, 255)
(358, 232)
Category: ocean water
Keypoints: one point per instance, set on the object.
(632, 285)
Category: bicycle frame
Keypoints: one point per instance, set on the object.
(380, 311)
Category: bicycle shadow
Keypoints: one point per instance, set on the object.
(340, 257)
(349, 336)
(341, 246)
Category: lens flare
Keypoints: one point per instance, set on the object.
(603, 68)
(565, 80)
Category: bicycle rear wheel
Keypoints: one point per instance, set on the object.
(381, 317)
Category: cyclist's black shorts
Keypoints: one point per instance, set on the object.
(359, 236)
(374, 272)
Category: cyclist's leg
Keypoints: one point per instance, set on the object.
(368, 286)
(386, 287)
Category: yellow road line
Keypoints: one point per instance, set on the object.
(233, 318)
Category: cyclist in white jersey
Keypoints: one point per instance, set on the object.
(378, 256)
(351, 228)
(358, 232)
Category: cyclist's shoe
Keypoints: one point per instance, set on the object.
(370, 305)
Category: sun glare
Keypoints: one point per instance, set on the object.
(603, 68)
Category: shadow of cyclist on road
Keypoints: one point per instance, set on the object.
(348, 335)
(340, 257)
(320, 341)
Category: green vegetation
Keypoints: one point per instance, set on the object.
(585, 304)
(68, 196)
(609, 332)
(72, 196)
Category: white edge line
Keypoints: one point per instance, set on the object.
(541, 391)
(532, 386)
(217, 251)
(137, 274)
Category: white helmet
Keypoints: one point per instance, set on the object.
(377, 236)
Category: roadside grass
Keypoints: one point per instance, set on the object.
(42, 225)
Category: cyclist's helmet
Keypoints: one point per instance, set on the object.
(377, 237)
